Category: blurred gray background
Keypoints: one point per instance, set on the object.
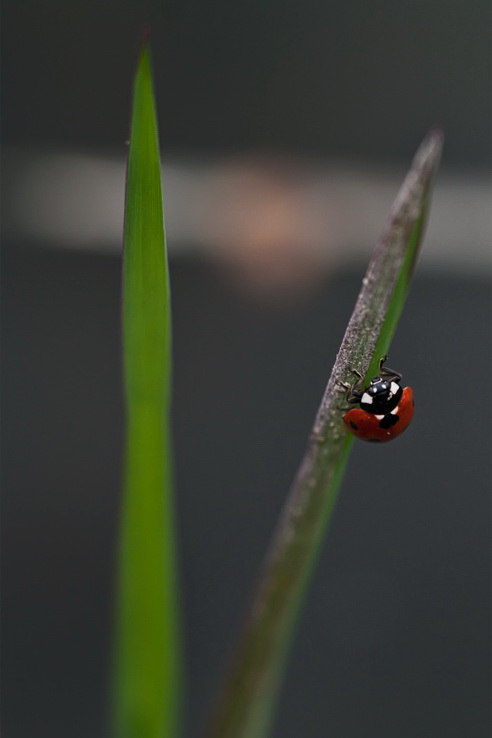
(285, 130)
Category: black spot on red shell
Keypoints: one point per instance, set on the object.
(388, 421)
(353, 425)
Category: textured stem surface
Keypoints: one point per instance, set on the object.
(248, 698)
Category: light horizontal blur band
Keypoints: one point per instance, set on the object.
(244, 207)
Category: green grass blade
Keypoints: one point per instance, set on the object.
(147, 660)
(246, 706)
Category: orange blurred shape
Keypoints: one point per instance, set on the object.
(266, 226)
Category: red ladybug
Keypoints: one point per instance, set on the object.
(385, 409)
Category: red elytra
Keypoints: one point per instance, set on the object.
(381, 428)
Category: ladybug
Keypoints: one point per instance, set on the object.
(385, 409)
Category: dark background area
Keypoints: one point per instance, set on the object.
(394, 640)
(352, 79)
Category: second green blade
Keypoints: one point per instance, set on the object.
(148, 668)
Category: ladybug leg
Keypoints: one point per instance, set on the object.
(344, 386)
(360, 378)
(351, 394)
(349, 390)
(354, 388)
(387, 372)
(352, 400)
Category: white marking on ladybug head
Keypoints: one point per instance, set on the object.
(395, 411)
(394, 387)
(379, 417)
(366, 398)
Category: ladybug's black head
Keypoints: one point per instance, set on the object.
(381, 396)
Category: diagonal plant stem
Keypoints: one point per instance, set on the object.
(247, 702)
